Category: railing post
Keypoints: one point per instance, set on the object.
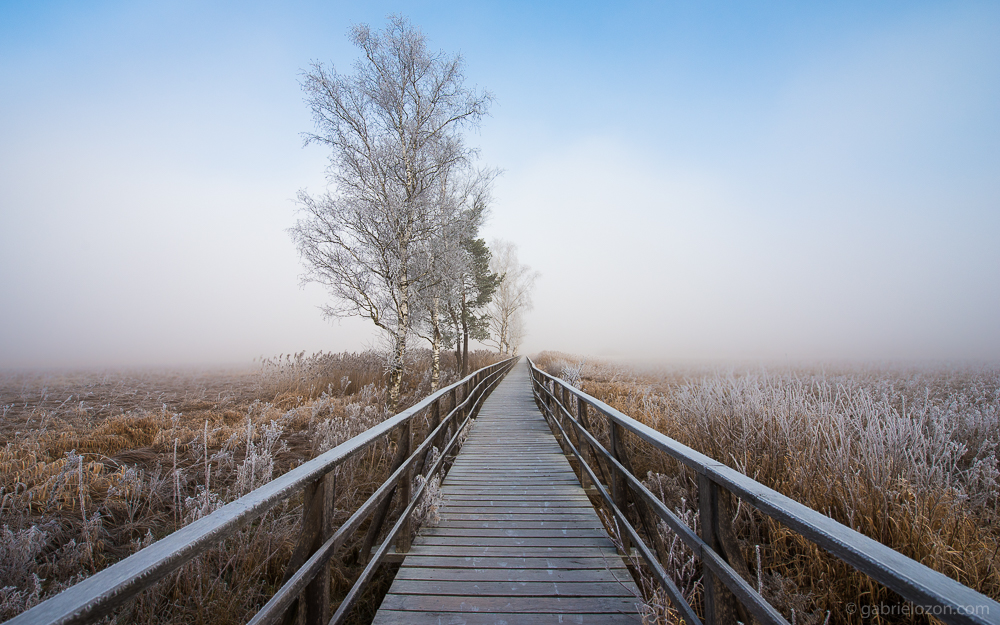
(475, 384)
(435, 421)
(466, 392)
(380, 513)
(317, 526)
(567, 402)
(456, 417)
(318, 591)
(571, 433)
(720, 604)
(551, 399)
(618, 484)
(581, 417)
(405, 489)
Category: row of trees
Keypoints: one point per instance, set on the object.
(396, 237)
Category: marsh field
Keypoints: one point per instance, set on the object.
(904, 455)
(96, 465)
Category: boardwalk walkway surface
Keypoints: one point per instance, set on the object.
(518, 540)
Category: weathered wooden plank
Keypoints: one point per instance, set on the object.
(518, 605)
(473, 551)
(490, 477)
(394, 617)
(537, 493)
(550, 517)
(525, 509)
(514, 478)
(568, 502)
(520, 480)
(513, 562)
(504, 498)
(493, 524)
(511, 488)
(614, 576)
(513, 532)
(554, 542)
(520, 492)
(514, 588)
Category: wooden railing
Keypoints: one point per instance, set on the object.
(725, 573)
(308, 570)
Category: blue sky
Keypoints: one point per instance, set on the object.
(693, 180)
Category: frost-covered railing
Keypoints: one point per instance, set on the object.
(725, 573)
(308, 570)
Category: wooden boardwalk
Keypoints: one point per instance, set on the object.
(518, 540)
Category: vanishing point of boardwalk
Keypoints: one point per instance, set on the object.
(518, 540)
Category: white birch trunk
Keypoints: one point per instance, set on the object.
(399, 348)
(435, 346)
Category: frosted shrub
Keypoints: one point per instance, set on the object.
(129, 491)
(463, 435)
(426, 510)
(19, 550)
(344, 424)
(13, 601)
(682, 565)
(22, 565)
(257, 468)
(572, 373)
(204, 503)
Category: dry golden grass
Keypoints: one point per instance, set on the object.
(906, 456)
(97, 465)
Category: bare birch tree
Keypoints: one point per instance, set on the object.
(511, 299)
(394, 129)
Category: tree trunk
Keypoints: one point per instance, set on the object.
(465, 337)
(504, 341)
(458, 341)
(399, 348)
(435, 346)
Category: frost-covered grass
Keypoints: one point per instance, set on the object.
(96, 465)
(905, 455)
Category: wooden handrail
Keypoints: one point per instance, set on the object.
(98, 595)
(939, 595)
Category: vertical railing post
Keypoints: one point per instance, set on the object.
(551, 399)
(435, 421)
(720, 604)
(708, 510)
(456, 415)
(475, 385)
(567, 400)
(465, 410)
(571, 435)
(318, 591)
(618, 485)
(382, 510)
(405, 490)
(581, 416)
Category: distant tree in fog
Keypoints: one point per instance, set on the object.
(394, 128)
(512, 298)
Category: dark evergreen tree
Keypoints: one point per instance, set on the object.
(475, 290)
